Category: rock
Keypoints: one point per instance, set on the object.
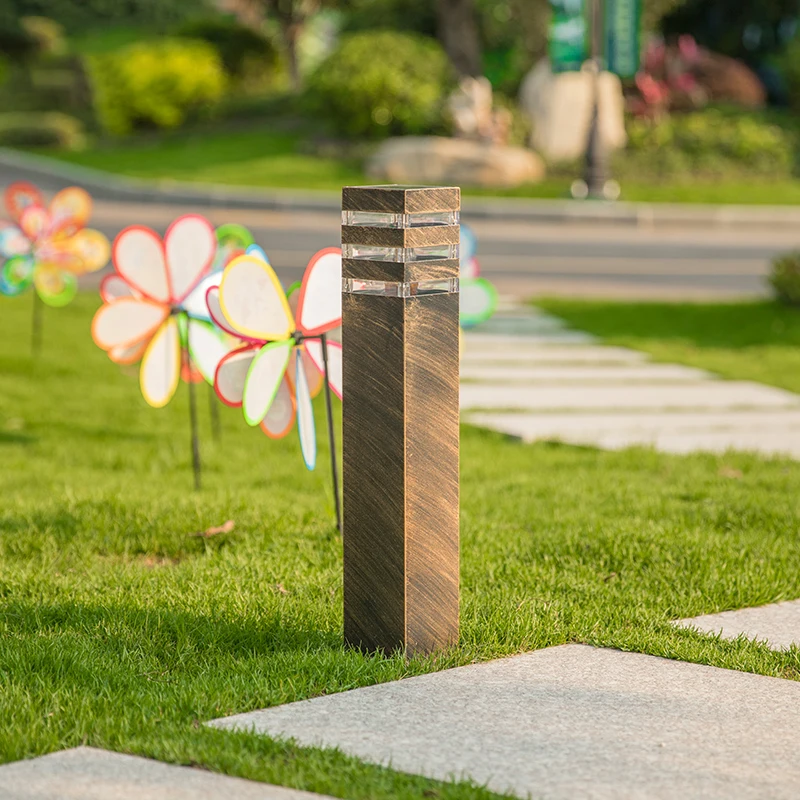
(560, 109)
(436, 159)
(471, 106)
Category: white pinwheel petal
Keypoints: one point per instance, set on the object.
(189, 244)
(314, 350)
(252, 300)
(112, 288)
(195, 304)
(126, 321)
(138, 257)
(231, 375)
(477, 301)
(305, 419)
(129, 353)
(319, 307)
(13, 242)
(280, 417)
(161, 365)
(215, 312)
(263, 380)
(206, 348)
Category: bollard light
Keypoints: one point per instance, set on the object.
(400, 417)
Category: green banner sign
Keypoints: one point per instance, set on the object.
(622, 36)
(567, 36)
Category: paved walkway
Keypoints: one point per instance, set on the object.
(85, 773)
(525, 374)
(566, 722)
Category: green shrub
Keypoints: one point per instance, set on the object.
(380, 83)
(77, 15)
(48, 129)
(785, 278)
(789, 65)
(241, 48)
(155, 84)
(710, 143)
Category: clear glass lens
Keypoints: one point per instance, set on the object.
(392, 289)
(380, 219)
(399, 254)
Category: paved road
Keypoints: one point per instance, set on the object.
(525, 259)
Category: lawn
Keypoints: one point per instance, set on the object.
(758, 341)
(264, 157)
(120, 629)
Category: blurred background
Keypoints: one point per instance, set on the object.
(692, 102)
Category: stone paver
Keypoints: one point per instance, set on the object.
(566, 722)
(709, 395)
(773, 432)
(778, 624)
(618, 373)
(85, 773)
(522, 376)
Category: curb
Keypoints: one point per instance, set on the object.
(107, 186)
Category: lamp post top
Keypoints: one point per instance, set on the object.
(399, 199)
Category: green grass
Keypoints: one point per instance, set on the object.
(119, 629)
(758, 341)
(262, 157)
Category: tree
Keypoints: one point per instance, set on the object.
(458, 34)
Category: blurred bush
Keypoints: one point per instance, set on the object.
(785, 278)
(41, 129)
(708, 143)
(244, 51)
(46, 33)
(77, 15)
(382, 83)
(157, 84)
(788, 64)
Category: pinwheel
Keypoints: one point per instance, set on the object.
(48, 247)
(147, 311)
(478, 299)
(271, 375)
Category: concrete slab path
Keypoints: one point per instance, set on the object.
(777, 624)
(86, 773)
(526, 375)
(566, 722)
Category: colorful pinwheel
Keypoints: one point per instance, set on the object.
(478, 297)
(274, 375)
(48, 247)
(148, 311)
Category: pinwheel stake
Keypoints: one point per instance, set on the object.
(331, 434)
(400, 418)
(36, 326)
(192, 411)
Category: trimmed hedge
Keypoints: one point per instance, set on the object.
(155, 84)
(382, 83)
(48, 129)
(710, 143)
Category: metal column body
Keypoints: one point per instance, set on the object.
(400, 338)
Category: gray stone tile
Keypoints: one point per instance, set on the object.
(582, 373)
(85, 773)
(771, 431)
(524, 352)
(778, 624)
(568, 722)
(712, 395)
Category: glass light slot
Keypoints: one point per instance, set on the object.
(399, 254)
(381, 219)
(400, 289)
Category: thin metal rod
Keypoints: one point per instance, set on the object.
(193, 414)
(36, 324)
(213, 408)
(331, 434)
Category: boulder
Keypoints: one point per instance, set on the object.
(560, 109)
(436, 159)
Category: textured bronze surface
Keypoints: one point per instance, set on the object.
(400, 199)
(426, 270)
(400, 433)
(400, 237)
